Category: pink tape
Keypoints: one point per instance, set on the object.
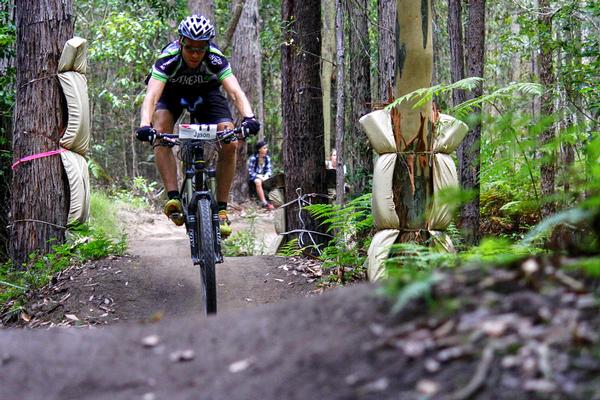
(35, 156)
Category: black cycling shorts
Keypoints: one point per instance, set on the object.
(211, 107)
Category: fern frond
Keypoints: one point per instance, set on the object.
(422, 96)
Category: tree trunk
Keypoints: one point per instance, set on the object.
(39, 187)
(7, 65)
(359, 155)
(546, 75)
(412, 183)
(457, 57)
(469, 163)
(387, 46)
(328, 49)
(246, 63)
(340, 120)
(302, 106)
(203, 7)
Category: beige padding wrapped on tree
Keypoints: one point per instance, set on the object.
(74, 56)
(378, 253)
(384, 209)
(77, 135)
(450, 133)
(444, 177)
(378, 126)
(79, 185)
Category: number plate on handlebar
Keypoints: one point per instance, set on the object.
(197, 131)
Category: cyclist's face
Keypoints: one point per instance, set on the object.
(193, 51)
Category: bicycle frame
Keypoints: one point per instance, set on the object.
(198, 182)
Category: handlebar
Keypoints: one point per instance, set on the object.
(169, 139)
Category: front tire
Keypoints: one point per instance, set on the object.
(206, 250)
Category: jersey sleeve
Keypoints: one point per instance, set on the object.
(218, 64)
(167, 63)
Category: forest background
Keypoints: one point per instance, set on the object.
(126, 37)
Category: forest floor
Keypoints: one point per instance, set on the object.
(528, 330)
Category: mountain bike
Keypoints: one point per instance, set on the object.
(198, 199)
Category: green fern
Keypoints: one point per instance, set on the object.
(291, 249)
(420, 97)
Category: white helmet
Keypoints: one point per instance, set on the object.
(196, 27)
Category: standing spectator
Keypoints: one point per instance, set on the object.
(259, 170)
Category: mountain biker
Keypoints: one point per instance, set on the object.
(189, 73)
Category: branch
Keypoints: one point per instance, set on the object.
(235, 18)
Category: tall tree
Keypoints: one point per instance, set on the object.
(387, 25)
(302, 106)
(413, 183)
(39, 188)
(469, 163)
(340, 116)
(547, 78)
(358, 151)
(327, 70)
(246, 61)
(7, 76)
(457, 57)
(203, 7)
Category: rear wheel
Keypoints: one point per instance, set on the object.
(206, 250)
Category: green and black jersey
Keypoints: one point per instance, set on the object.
(172, 70)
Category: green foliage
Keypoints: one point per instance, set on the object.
(101, 237)
(244, 242)
(351, 226)
(411, 272)
(291, 249)
(498, 251)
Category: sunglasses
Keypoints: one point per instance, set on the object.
(191, 49)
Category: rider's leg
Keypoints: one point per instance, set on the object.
(225, 166)
(164, 158)
(259, 191)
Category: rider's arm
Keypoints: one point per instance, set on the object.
(153, 93)
(235, 92)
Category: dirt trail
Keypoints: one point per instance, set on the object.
(168, 283)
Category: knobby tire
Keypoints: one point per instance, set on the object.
(206, 249)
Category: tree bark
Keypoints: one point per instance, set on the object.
(328, 53)
(413, 183)
(203, 7)
(457, 57)
(359, 155)
(469, 163)
(387, 45)
(246, 63)
(340, 120)
(546, 76)
(302, 106)
(7, 65)
(39, 187)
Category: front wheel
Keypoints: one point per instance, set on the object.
(206, 250)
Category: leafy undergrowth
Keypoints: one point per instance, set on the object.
(101, 237)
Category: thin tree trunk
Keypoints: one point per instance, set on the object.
(546, 74)
(7, 65)
(39, 187)
(457, 57)
(328, 49)
(340, 121)
(469, 163)
(203, 7)
(387, 49)
(359, 154)
(302, 110)
(412, 182)
(246, 63)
